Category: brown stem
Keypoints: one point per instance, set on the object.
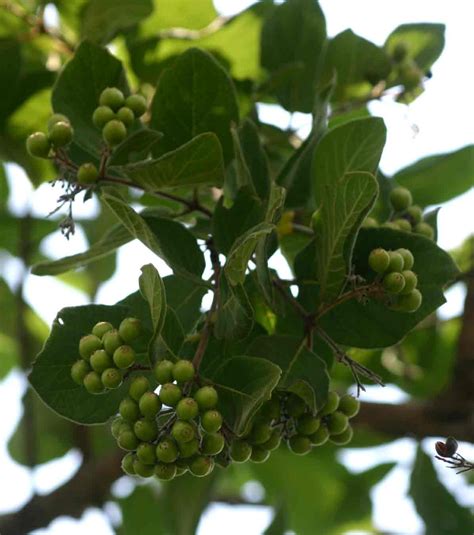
(360, 292)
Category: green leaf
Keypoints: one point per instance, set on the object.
(301, 367)
(185, 298)
(10, 59)
(439, 178)
(4, 188)
(294, 35)
(235, 313)
(196, 163)
(243, 384)
(136, 147)
(103, 19)
(193, 96)
(439, 510)
(172, 338)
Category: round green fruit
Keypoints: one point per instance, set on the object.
(142, 469)
(166, 450)
(188, 449)
(400, 198)
(349, 405)
(57, 118)
(211, 421)
(112, 341)
(100, 360)
(403, 224)
(337, 422)
(201, 466)
(260, 433)
(394, 282)
(411, 280)
(102, 115)
(125, 115)
(101, 328)
(112, 97)
(93, 383)
(415, 213)
(116, 425)
(410, 302)
(320, 437)
(259, 454)
(87, 174)
(299, 444)
(240, 451)
(295, 406)
(170, 394)
(163, 371)
(38, 145)
(129, 410)
(79, 370)
(138, 386)
(145, 430)
(331, 404)
(271, 409)
(408, 258)
(379, 260)
(137, 104)
(88, 344)
(60, 134)
(130, 329)
(212, 443)
(124, 357)
(183, 431)
(150, 405)
(127, 464)
(396, 262)
(128, 441)
(206, 397)
(114, 132)
(165, 472)
(146, 453)
(343, 438)
(187, 409)
(111, 378)
(424, 229)
(273, 442)
(390, 224)
(307, 424)
(183, 371)
(369, 222)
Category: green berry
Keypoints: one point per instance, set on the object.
(127, 464)
(396, 262)
(79, 370)
(163, 371)
(415, 213)
(111, 378)
(138, 386)
(273, 442)
(337, 422)
(410, 302)
(129, 410)
(128, 441)
(166, 450)
(295, 406)
(408, 259)
(130, 329)
(390, 224)
(87, 174)
(211, 421)
(206, 397)
(112, 97)
(201, 466)
(170, 394)
(240, 451)
(145, 430)
(379, 260)
(93, 383)
(411, 280)
(271, 409)
(400, 198)
(320, 437)
(423, 229)
(137, 104)
(146, 453)
(307, 424)
(342, 438)
(331, 404)
(126, 116)
(183, 431)
(180, 471)
(187, 409)
(188, 449)
(57, 118)
(349, 405)
(394, 282)
(88, 344)
(102, 115)
(369, 222)
(114, 132)
(150, 405)
(100, 360)
(299, 444)
(260, 433)
(403, 224)
(142, 469)
(124, 357)
(111, 341)
(38, 145)
(183, 371)
(259, 454)
(101, 328)
(165, 472)
(116, 426)
(212, 443)
(60, 134)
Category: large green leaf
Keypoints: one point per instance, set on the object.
(294, 35)
(439, 510)
(185, 299)
(439, 178)
(10, 59)
(193, 96)
(135, 148)
(235, 313)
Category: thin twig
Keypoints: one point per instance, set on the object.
(457, 462)
(373, 289)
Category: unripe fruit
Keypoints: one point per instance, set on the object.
(87, 174)
(60, 134)
(145, 430)
(273, 442)
(331, 404)
(211, 421)
(101, 328)
(408, 259)
(206, 397)
(400, 198)
(379, 260)
(38, 145)
(93, 383)
(212, 443)
(410, 302)
(187, 409)
(143, 470)
(127, 441)
(170, 394)
(183, 371)
(337, 422)
(79, 370)
(396, 262)
(165, 472)
(127, 464)
(295, 406)
(403, 224)
(102, 115)
(146, 453)
(130, 329)
(369, 222)
(182, 431)
(390, 224)
(259, 454)
(180, 471)
(349, 405)
(415, 213)
(163, 371)
(260, 433)
(201, 466)
(114, 132)
(111, 341)
(299, 444)
(88, 344)
(188, 449)
(100, 360)
(342, 438)
(111, 97)
(57, 118)
(240, 451)
(270, 410)
(166, 450)
(126, 116)
(150, 405)
(111, 378)
(116, 425)
(320, 437)
(138, 386)
(124, 356)
(129, 410)
(137, 104)
(307, 424)
(411, 280)
(423, 229)
(394, 283)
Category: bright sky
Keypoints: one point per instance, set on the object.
(443, 116)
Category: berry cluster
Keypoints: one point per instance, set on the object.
(106, 355)
(174, 431)
(60, 134)
(406, 215)
(397, 277)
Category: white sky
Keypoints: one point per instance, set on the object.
(444, 116)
